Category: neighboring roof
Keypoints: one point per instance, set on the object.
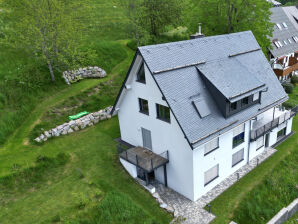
(278, 17)
(274, 3)
(292, 14)
(177, 67)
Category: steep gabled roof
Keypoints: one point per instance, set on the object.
(279, 17)
(177, 69)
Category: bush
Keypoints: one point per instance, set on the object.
(288, 87)
(288, 105)
(294, 79)
(132, 44)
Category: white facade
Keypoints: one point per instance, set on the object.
(186, 167)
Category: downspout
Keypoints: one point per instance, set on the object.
(249, 133)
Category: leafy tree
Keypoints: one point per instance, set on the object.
(156, 14)
(229, 16)
(47, 29)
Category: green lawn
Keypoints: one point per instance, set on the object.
(259, 195)
(293, 219)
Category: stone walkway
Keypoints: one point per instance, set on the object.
(194, 212)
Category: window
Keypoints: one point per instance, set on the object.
(163, 113)
(244, 101)
(289, 40)
(295, 39)
(285, 42)
(211, 174)
(237, 157)
(238, 135)
(211, 146)
(256, 96)
(278, 25)
(233, 106)
(260, 142)
(280, 44)
(144, 108)
(141, 74)
(281, 133)
(285, 25)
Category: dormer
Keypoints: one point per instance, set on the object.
(232, 86)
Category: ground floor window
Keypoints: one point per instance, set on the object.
(237, 157)
(211, 174)
(260, 142)
(281, 133)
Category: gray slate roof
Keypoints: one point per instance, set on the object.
(292, 13)
(279, 16)
(184, 85)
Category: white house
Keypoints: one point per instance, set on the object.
(193, 112)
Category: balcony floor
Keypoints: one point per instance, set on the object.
(143, 158)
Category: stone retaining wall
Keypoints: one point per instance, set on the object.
(285, 213)
(76, 125)
(82, 73)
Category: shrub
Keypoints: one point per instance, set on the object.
(288, 105)
(288, 87)
(132, 44)
(294, 79)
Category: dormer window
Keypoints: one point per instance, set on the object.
(244, 101)
(141, 74)
(233, 106)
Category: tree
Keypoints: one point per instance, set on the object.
(48, 29)
(155, 15)
(228, 16)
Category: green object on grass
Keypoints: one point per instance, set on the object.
(73, 117)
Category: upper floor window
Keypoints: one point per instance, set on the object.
(211, 146)
(256, 96)
(238, 135)
(233, 106)
(141, 74)
(244, 101)
(163, 113)
(144, 108)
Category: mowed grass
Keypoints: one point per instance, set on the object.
(93, 164)
(260, 194)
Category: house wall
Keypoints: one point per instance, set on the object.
(165, 136)
(221, 156)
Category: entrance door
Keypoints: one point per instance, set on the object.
(267, 140)
(147, 142)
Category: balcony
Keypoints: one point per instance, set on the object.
(287, 70)
(272, 119)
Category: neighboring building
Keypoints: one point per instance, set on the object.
(274, 3)
(284, 52)
(193, 112)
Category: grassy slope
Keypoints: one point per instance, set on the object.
(93, 151)
(227, 203)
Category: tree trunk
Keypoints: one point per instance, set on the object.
(50, 67)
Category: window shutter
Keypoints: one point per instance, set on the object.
(238, 130)
(211, 174)
(237, 157)
(260, 142)
(211, 145)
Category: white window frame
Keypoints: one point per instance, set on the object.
(256, 96)
(259, 143)
(239, 154)
(211, 146)
(211, 174)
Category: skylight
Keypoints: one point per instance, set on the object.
(276, 44)
(285, 42)
(201, 107)
(278, 25)
(285, 25)
(295, 39)
(289, 40)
